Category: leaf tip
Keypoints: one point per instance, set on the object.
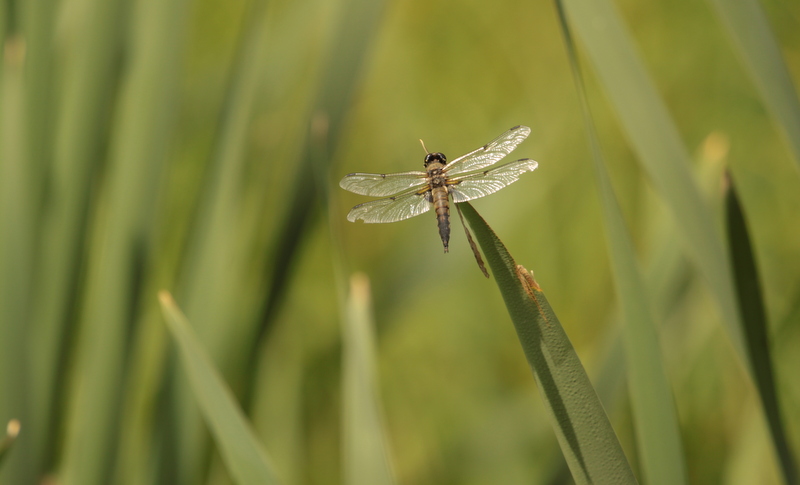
(13, 428)
(165, 297)
(359, 286)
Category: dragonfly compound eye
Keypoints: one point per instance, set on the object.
(435, 157)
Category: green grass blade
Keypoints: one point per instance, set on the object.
(750, 31)
(756, 328)
(584, 432)
(654, 414)
(660, 150)
(366, 457)
(243, 455)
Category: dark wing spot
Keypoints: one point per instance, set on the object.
(383, 175)
(516, 128)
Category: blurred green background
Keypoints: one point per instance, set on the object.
(196, 146)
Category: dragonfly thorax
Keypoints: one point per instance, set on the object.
(435, 157)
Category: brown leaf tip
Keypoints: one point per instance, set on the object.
(526, 278)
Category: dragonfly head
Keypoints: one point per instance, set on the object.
(435, 157)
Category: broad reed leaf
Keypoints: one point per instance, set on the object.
(242, 453)
(756, 328)
(588, 441)
(366, 458)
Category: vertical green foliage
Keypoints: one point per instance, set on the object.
(215, 261)
(17, 239)
(137, 151)
(81, 117)
(91, 228)
(37, 27)
(364, 447)
(208, 284)
(661, 152)
(654, 414)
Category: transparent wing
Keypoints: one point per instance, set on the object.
(382, 184)
(490, 153)
(391, 209)
(481, 184)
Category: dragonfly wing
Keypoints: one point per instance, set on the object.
(382, 184)
(391, 209)
(481, 184)
(490, 153)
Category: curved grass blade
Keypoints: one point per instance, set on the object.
(750, 31)
(654, 414)
(365, 449)
(754, 319)
(588, 441)
(242, 453)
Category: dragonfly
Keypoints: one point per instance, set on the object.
(409, 194)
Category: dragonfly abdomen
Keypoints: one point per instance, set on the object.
(442, 209)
